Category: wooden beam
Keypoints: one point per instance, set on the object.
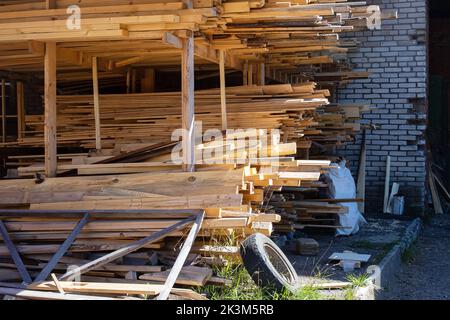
(187, 104)
(50, 109)
(3, 110)
(20, 110)
(98, 138)
(245, 74)
(40, 295)
(126, 249)
(387, 184)
(262, 74)
(223, 96)
(181, 259)
(250, 74)
(62, 250)
(14, 254)
(148, 81)
(57, 284)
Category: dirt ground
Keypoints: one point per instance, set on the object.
(376, 238)
(425, 273)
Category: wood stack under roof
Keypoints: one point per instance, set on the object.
(120, 192)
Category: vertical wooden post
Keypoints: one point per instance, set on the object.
(3, 110)
(148, 82)
(250, 74)
(187, 104)
(50, 109)
(128, 81)
(245, 74)
(133, 80)
(223, 95)
(387, 185)
(98, 137)
(262, 74)
(20, 110)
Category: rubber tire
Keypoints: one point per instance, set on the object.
(261, 269)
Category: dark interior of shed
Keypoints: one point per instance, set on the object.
(439, 88)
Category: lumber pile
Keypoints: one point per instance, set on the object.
(302, 208)
(296, 40)
(127, 214)
(145, 118)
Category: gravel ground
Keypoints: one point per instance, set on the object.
(425, 275)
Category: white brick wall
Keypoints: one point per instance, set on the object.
(397, 90)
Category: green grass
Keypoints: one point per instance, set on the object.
(358, 281)
(244, 288)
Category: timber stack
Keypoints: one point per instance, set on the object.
(98, 190)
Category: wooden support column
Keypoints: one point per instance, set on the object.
(128, 81)
(98, 137)
(3, 110)
(245, 74)
(133, 80)
(250, 74)
(262, 74)
(148, 81)
(20, 110)
(50, 109)
(187, 104)
(223, 94)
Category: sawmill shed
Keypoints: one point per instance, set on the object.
(98, 95)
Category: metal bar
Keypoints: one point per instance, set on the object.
(14, 254)
(181, 259)
(62, 250)
(126, 250)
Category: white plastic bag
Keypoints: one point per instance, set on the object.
(341, 185)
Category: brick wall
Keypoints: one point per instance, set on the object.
(396, 56)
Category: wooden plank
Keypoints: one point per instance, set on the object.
(223, 95)
(20, 110)
(387, 184)
(57, 284)
(100, 288)
(14, 254)
(62, 250)
(51, 160)
(189, 276)
(361, 182)
(40, 295)
(98, 138)
(187, 104)
(126, 250)
(179, 262)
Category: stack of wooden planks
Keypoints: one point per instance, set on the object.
(144, 118)
(127, 215)
(295, 40)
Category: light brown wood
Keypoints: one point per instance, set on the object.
(98, 139)
(187, 104)
(223, 95)
(50, 109)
